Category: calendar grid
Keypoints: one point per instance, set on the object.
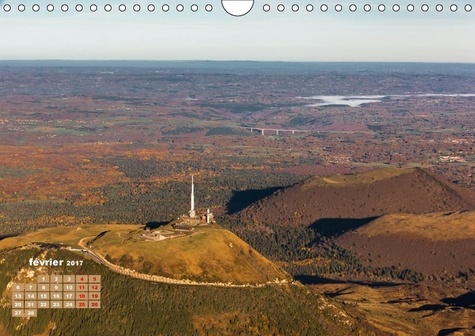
(53, 291)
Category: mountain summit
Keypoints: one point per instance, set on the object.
(370, 194)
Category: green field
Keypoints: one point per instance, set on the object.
(61, 235)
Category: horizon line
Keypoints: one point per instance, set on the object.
(231, 60)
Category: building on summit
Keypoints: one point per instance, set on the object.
(208, 217)
(183, 224)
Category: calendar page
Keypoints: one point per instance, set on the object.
(237, 167)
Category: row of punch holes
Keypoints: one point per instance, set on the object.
(265, 8)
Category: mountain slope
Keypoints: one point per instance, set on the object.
(438, 243)
(209, 254)
(206, 254)
(370, 194)
(135, 307)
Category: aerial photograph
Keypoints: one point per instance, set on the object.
(237, 167)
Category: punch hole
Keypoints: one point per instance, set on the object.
(410, 8)
(353, 8)
(396, 8)
(338, 7)
(107, 8)
(35, 7)
(295, 8)
(64, 8)
(79, 8)
(323, 8)
(136, 8)
(208, 8)
(180, 8)
(21, 8)
(122, 8)
(453, 7)
(151, 8)
(424, 8)
(367, 7)
(381, 8)
(439, 8)
(468, 8)
(194, 7)
(93, 8)
(165, 8)
(7, 8)
(50, 8)
(280, 8)
(309, 8)
(266, 8)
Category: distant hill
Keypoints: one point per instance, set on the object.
(439, 243)
(370, 194)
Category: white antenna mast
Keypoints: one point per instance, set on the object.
(192, 209)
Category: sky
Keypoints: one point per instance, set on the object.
(266, 36)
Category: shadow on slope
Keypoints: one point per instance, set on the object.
(466, 300)
(154, 225)
(315, 279)
(428, 307)
(7, 236)
(241, 199)
(334, 227)
(452, 331)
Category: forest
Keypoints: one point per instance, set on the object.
(306, 253)
(144, 199)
